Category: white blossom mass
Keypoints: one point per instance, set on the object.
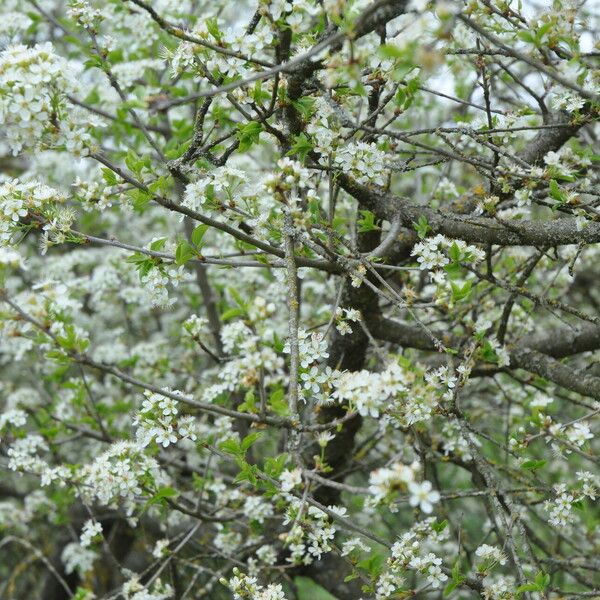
(299, 299)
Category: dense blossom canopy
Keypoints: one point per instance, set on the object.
(298, 299)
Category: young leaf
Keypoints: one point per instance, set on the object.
(183, 253)
(422, 227)
(198, 234)
(248, 135)
(367, 222)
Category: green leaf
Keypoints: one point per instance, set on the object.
(542, 580)
(527, 36)
(305, 106)
(249, 403)
(160, 184)
(460, 292)
(143, 263)
(236, 296)
(248, 473)
(451, 587)
(277, 402)
(422, 227)
(139, 199)
(439, 527)
(248, 135)
(454, 252)
(133, 162)
(232, 313)
(540, 583)
(541, 32)
(301, 147)
(532, 465)
(250, 439)
(166, 492)
(528, 587)
(373, 564)
(367, 222)
(109, 176)
(231, 446)
(457, 579)
(183, 253)
(83, 594)
(95, 61)
(274, 465)
(158, 244)
(453, 270)
(161, 496)
(213, 27)
(198, 234)
(391, 51)
(309, 590)
(259, 94)
(556, 192)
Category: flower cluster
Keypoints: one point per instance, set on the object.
(578, 434)
(117, 475)
(245, 587)
(133, 589)
(156, 282)
(158, 421)
(34, 82)
(501, 587)
(312, 347)
(91, 530)
(15, 417)
(312, 532)
(436, 252)
(489, 556)
(369, 392)
(96, 195)
(342, 316)
(289, 183)
(568, 101)
(77, 558)
(565, 162)
(22, 455)
(559, 509)
(366, 162)
(248, 352)
(410, 553)
(19, 199)
(83, 14)
(195, 326)
(453, 442)
(290, 479)
(217, 187)
(385, 483)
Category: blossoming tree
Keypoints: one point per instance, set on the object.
(297, 299)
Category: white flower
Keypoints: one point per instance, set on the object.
(187, 428)
(579, 433)
(568, 101)
(353, 544)
(90, 530)
(313, 379)
(491, 554)
(435, 576)
(160, 548)
(423, 496)
(290, 479)
(164, 436)
(324, 438)
(77, 558)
